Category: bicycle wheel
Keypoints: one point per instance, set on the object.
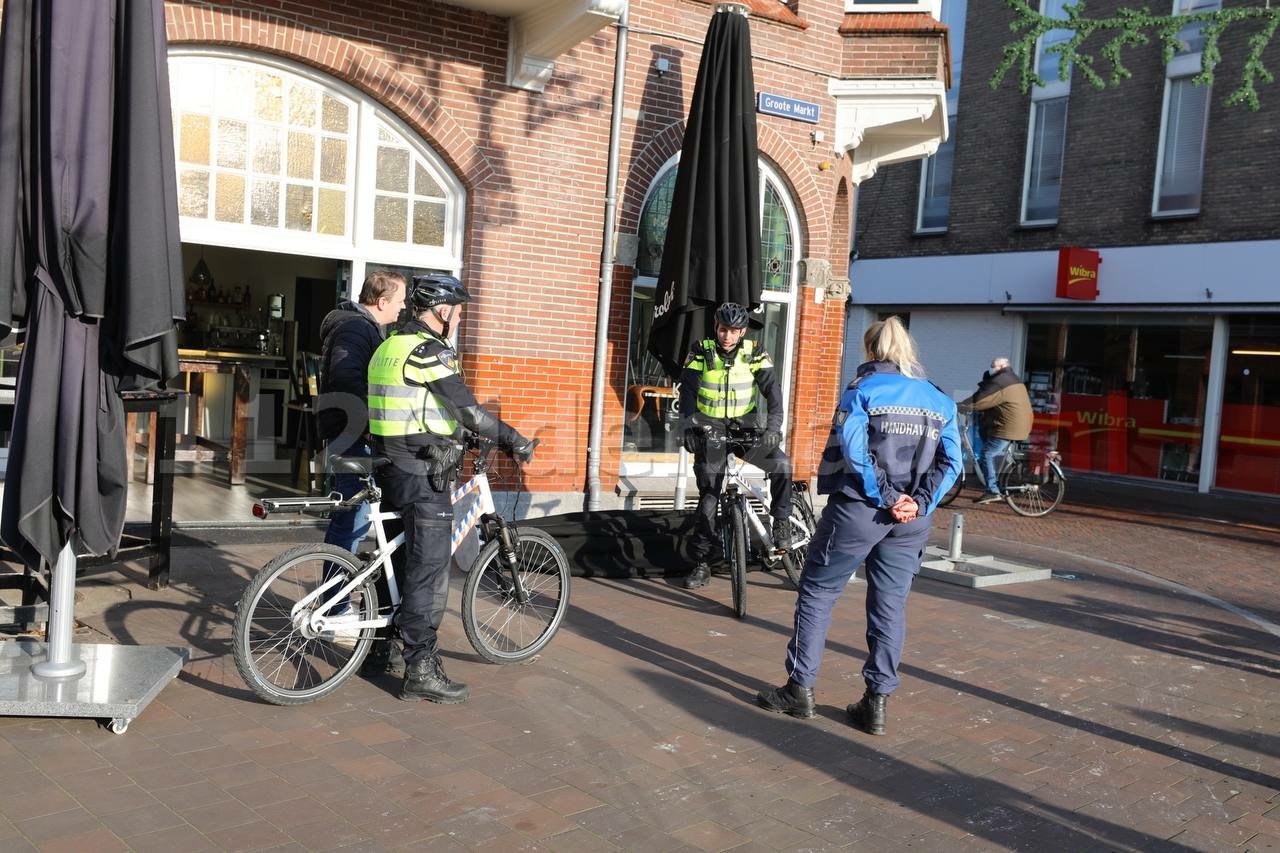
(277, 653)
(793, 560)
(501, 628)
(952, 493)
(736, 552)
(1032, 493)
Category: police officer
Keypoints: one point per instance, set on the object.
(894, 450)
(719, 382)
(417, 400)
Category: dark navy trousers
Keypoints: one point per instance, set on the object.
(849, 532)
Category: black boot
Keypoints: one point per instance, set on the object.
(790, 698)
(425, 679)
(385, 658)
(700, 576)
(782, 534)
(870, 713)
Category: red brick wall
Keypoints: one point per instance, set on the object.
(534, 168)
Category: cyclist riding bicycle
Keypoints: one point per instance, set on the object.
(417, 400)
(719, 383)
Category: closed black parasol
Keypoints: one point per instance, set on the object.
(712, 249)
(90, 263)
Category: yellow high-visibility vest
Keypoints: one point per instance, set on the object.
(398, 408)
(727, 391)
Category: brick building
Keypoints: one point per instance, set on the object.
(316, 141)
(1171, 369)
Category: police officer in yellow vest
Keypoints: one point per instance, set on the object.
(719, 383)
(417, 400)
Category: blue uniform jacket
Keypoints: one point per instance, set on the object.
(891, 435)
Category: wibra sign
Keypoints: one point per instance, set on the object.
(1078, 273)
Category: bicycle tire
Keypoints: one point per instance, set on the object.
(500, 629)
(1030, 494)
(737, 553)
(952, 493)
(793, 560)
(273, 651)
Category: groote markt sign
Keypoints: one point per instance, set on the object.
(777, 105)
(1078, 273)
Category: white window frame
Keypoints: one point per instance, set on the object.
(658, 467)
(358, 246)
(1182, 67)
(954, 20)
(1052, 90)
(924, 180)
(932, 7)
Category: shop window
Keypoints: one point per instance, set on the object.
(1249, 443)
(650, 428)
(1121, 395)
(1184, 122)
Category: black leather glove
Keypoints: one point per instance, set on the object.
(691, 440)
(769, 439)
(523, 451)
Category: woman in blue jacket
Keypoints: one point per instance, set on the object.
(893, 451)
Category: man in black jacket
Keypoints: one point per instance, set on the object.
(350, 334)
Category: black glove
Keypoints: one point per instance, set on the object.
(522, 452)
(692, 439)
(769, 439)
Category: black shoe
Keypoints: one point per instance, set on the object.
(425, 679)
(790, 698)
(988, 498)
(385, 658)
(699, 577)
(869, 713)
(782, 534)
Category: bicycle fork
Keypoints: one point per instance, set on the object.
(497, 528)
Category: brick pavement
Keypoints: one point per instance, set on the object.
(1109, 712)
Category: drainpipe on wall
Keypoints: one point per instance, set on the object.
(595, 430)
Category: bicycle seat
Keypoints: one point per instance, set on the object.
(362, 465)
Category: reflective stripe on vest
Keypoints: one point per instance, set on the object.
(397, 408)
(726, 392)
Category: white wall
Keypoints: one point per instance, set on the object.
(955, 345)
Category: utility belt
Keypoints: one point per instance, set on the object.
(439, 459)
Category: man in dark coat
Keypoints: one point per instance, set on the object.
(350, 334)
(1003, 397)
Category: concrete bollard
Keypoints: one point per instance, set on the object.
(955, 551)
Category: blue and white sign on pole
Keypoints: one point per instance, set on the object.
(777, 105)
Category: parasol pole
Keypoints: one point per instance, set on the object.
(62, 599)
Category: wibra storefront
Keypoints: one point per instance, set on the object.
(1157, 362)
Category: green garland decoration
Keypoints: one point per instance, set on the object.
(1127, 28)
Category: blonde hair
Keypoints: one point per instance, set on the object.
(889, 340)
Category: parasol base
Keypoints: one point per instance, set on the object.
(118, 683)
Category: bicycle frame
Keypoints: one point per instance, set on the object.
(734, 478)
(482, 509)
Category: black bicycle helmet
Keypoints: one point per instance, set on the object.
(428, 291)
(733, 315)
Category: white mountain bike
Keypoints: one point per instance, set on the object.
(291, 648)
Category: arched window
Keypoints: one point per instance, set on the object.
(274, 156)
(648, 431)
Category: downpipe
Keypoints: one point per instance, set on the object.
(604, 300)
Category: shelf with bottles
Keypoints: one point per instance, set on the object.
(237, 296)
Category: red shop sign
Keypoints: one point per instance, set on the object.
(1078, 273)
